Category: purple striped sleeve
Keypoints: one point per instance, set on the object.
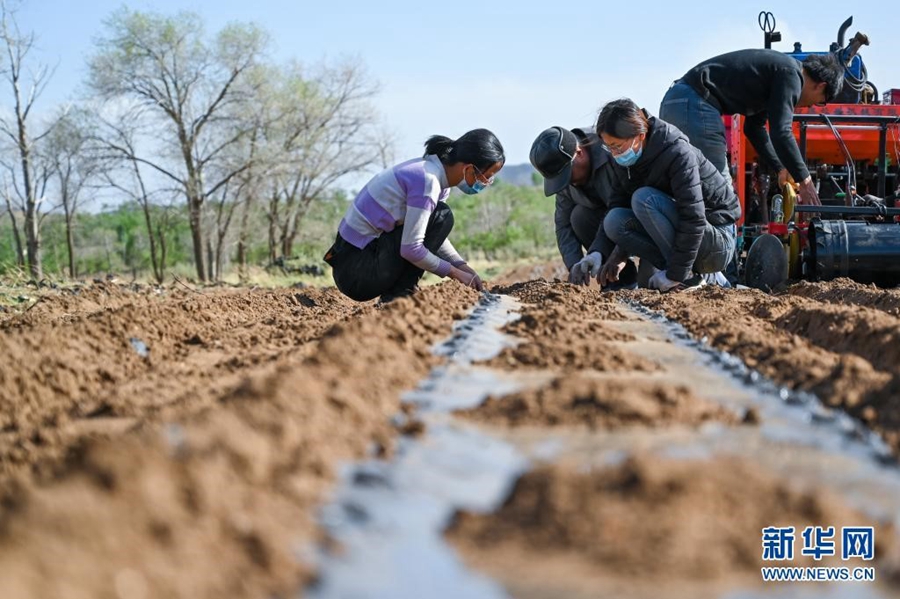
(449, 253)
(412, 244)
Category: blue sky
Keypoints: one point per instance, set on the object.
(510, 66)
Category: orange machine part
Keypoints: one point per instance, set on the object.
(821, 146)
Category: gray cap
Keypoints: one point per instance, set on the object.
(552, 154)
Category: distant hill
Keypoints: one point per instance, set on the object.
(519, 174)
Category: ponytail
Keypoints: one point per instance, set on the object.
(440, 146)
(479, 147)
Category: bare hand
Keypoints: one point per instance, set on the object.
(807, 195)
(467, 277)
(784, 177)
(610, 272)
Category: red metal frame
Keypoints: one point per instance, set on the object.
(861, 140)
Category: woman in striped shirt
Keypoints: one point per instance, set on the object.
(397, 227)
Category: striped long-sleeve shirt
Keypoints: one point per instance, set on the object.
(404, 195)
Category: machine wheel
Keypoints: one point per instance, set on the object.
(766, 267)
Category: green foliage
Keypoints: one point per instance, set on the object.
(503, 222)
(115, 240)
(112, 241)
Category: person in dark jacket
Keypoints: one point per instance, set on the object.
(763, 85)
(669, 205)
(577, 170)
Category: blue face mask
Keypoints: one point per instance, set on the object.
(628, 157)
(470, 189)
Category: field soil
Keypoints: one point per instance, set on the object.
(178, 442)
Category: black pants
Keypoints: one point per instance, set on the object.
(585, 224)
(379, 269)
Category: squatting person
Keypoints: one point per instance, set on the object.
(577, 169)
(669, 205)
(398, 225)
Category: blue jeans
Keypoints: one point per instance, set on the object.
(648, 231)
(683, 107)
(700, 121)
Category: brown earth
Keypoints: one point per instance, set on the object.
(667, 522)
(600, 404)
(845, 291)
(654, 526)
(71, 367)
(561, 325)
(193, 472)
(839, 340)
(550, 271)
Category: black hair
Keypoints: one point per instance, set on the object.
(827, 69)
(622, 119)
(479, 147)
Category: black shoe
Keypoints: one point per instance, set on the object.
(692, 284)
(390, 296)
(628, 276)
(619, 286)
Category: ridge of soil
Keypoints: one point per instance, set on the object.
(214, 497)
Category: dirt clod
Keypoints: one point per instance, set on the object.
(600, 404)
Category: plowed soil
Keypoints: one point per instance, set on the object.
(558, 325)
(600, 404)
(178, 442)
(192, 471)
(645, 528)
(839, 340)
(654, 527)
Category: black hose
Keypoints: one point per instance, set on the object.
(844, 27)
(876, 99)
(851, 171)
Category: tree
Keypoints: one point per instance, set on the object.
(117, 134)
(17, 236)
(26, 86)
(190, 88)
(73, 163)
(238, 197)
(329, 130)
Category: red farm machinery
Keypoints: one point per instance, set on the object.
(852, 149)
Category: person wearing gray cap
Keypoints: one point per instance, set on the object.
(577, 170)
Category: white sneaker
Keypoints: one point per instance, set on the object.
(716, 278)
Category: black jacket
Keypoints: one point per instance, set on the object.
(591, 195)
(763, 85)
(672, 165)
